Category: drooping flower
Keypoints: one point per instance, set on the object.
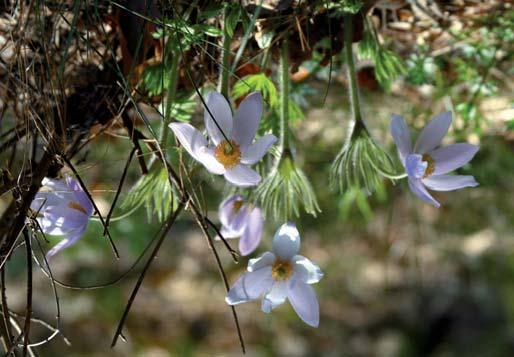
(427, 164)
(231, 150)
(281, 275)
(240, 219)
(62, 209)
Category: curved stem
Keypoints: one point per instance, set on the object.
(225, 70)
(386, 174)
(352, 76)
(284, 92)
(120, 217)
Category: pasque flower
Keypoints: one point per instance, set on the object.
(63, 209)
(231, 150)
(241, 219)
(427, 164)
(281, 275)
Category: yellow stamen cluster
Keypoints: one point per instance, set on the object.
(237, 206)
(431, 165)
(228, 153)
(281, 270)
(76, 206)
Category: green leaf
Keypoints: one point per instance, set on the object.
(233, 16)
(388, 65)
(257, 82)
(154, 191)
(245, 20)
(183, 108)
(210, 30)
(155, 79)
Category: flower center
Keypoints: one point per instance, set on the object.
(228, 153)
(281, 270)
(237, 206)
(431, 165)
(76, 206)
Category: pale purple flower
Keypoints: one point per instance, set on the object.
(281, 275)
(229, 158)
(240, 219)
(63, 209)
(427, 163)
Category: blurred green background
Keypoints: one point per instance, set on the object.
(407, 280)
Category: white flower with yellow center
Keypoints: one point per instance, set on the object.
(280, 275)
(231, 150)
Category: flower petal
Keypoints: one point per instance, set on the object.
(190, 138)
(252, 233)
(60, 220)
(255, 152)
(246, 120)
(226, 210)
(228, 234)
(51, 193)
(415, 166)
(206, 156)
(452, 157)
(449, 182)
(240, 220)
(54, 185)
(80, 195)
(306, 270)
(433, 133)
(71, 239)
(250, 286)
(417, 187)
(267, 259)
(276, 296)
(401, 135)
(242, 176)
(43, 200)
(304, 301)
(286, 242)
(220, 109)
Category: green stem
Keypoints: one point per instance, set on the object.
(388, 175)
(352, 76)
(225, 70)
(122, 216)
(284, 91)
(170, 97)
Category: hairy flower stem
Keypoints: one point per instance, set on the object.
(170, 96)
(225, 70)
(352, 76)
(356, 124)
(284, 99)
